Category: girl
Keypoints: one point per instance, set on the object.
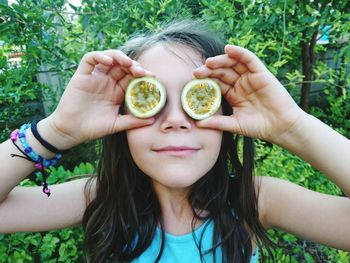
(168, 188)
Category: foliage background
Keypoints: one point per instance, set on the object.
(52, 36)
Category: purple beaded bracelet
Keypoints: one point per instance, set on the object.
(39, 162)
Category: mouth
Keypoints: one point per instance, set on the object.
(179, 151)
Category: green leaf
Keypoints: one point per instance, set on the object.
(6, 8)
(73, 7)
(6, 28)
(309, 9)
(86, 21)
(309, 258)
(313, 24)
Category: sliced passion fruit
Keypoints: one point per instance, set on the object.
(201, 98)
(145, 97)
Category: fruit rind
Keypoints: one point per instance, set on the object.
(129, 97)
(208, 110)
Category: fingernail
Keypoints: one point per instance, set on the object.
(149, 73)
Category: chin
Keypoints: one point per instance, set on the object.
(176, 181)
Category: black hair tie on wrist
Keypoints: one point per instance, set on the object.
(44, 143)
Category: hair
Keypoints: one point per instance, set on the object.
(120, 222)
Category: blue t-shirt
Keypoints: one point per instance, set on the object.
(183, 248)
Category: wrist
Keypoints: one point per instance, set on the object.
(298, 134)
(51, 134)
(36, 146)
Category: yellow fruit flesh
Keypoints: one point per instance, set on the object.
(200, 98)
(144, 96)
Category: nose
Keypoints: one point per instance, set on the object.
(173, 118)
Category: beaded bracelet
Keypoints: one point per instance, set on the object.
(28, 150)
(39, 162)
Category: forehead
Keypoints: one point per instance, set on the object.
(171, 62)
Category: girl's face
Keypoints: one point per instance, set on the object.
(172, 151)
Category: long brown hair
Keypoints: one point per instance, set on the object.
(121, 221)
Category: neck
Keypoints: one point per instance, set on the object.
(177, 213)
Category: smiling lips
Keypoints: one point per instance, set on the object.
(177, 150)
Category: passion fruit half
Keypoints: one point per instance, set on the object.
(145, 97)
(201, 98)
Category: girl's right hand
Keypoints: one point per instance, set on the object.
(89, 107)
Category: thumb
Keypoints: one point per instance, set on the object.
(220, 122)
(127, 122)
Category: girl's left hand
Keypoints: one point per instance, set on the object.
(262, 107)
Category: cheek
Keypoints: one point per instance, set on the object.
(136, 143)
(212, 143)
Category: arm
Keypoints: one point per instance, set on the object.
(95, 90)
(314, 216)
(26, 209)
(322, 147)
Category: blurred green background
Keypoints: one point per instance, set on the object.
(304, 43)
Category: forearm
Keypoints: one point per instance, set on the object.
(322, 147)
(14, 169)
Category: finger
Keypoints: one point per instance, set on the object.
(102, 68)
(227, 62)
(127, 122)
(226, 75)
(91, 59)
(150, 74)
(220, 122)
(119, 95)
(202, 72)
(117, 73)
(220, 61)
(248, 58)
(136, 70)
(123, 83)
(119, 58)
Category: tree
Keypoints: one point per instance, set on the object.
(284, 34)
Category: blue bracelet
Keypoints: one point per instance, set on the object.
(29, 151)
